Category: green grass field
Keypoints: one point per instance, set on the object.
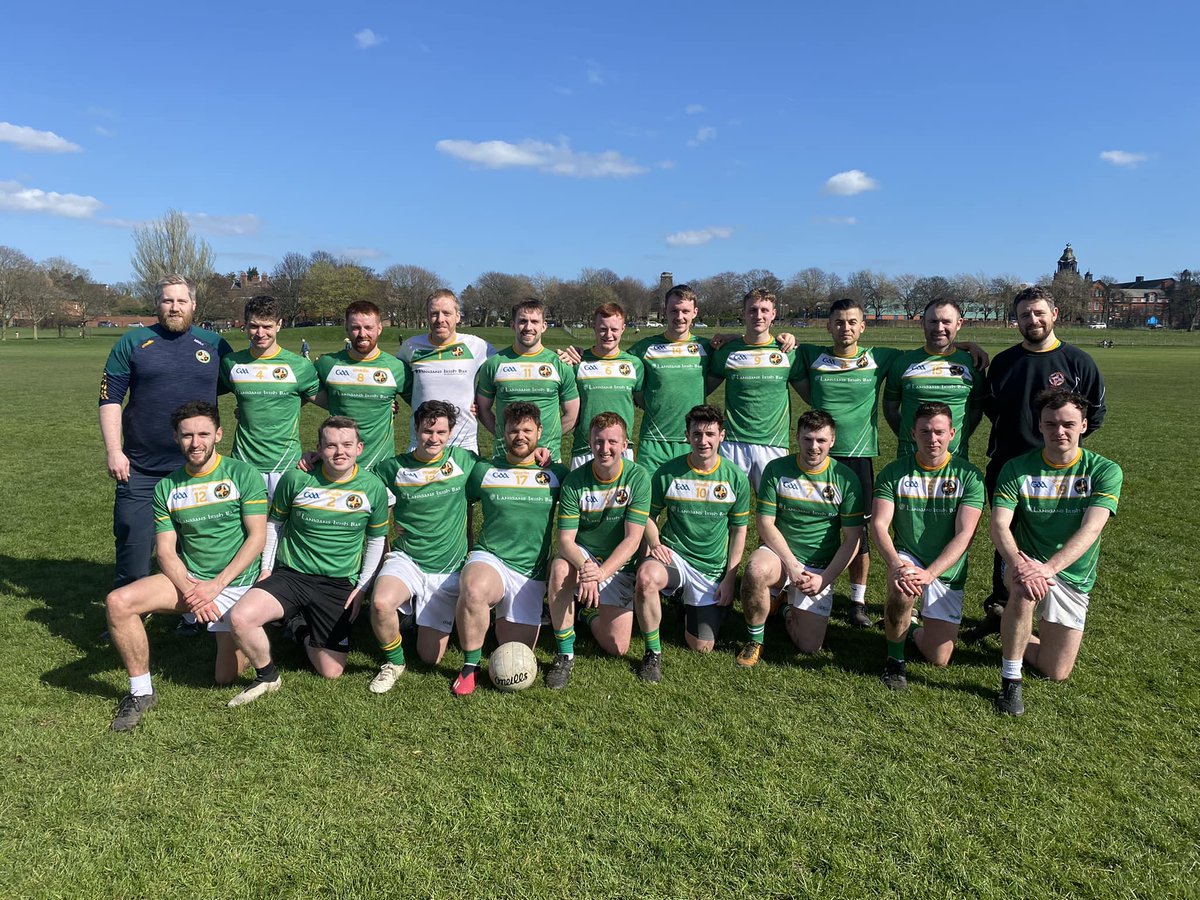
(801, 777)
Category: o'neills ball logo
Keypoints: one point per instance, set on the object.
(354, 501)
(380, 377)
(279, 373)
(545, 371)
(203, 356)
(221, 491)
(1057, 379)
(515, 678)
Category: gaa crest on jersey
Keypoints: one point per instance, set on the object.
(625, 369)
(862, 362)
(203, 356)
(542, 478)
(828, 492)
(693, 349)
(720, 492)
(279, 373)
(1083, 486)
(222, 490)
(622, 496)
(379, 376)
(949, 487)
(545, 371)
(354, 501)
(776, 358)
(957, 371)
(447, 469)
(1057, 379)
(457, 351)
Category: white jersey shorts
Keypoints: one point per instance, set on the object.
(615, 591)
(434, 594)
(225, 601)
(698, 589)
(1064, 605)
(938, 600)
(751, 458)
(521, 603)
(271, 480)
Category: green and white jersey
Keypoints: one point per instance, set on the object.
(598, 510)
(205, 511)
(926, 505)
(539, 378)
(518, 512)
(430, 511)
(327, 521)
(606, 384)
(674, 383)
(447, 372)
(1049, 503)
(918, 376)
(811, 508)
(847, 387)
(758, 409)
(270, 391)
(364, 390)
(701, 508)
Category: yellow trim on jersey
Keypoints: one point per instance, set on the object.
(448, 343)
(428, 462)
(800, 465)
(278, 350)
(517, 351)
(1057, 344)
(216, 461)
(716, 465)
(1078, 455)
(945, 462)
(373, 355)
(328, 477)
(612, 355)
(615, 477)
(770, 340)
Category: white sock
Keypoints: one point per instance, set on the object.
(858, 593)
(140, 686)
(1010, 669)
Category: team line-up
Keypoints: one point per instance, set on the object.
(269, 535)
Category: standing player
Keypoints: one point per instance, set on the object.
(429, 485)
(601, 520)
(362, 382)
(939, 372)
(210, 524)
(443, 365)
(160, 368)
(270, 384)
(707, 500)
(1047, 515)
(315, 562)
(756, 372)
(507, 568)
(932, 500)
(675, 365)
(528, 372)
(606, 378)
(810, 523)
(1040, 362)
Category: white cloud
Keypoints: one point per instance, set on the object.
(104, 132)
(847, 184)
(366, 39)
(838, 220)
(665, 164)
(25, 138)
(17, 198)
(245, 223)
(700, 236)
(595, 74)
(556, 159)
(707, 133)
(694, 109)
(358, 254)
(1124, 158)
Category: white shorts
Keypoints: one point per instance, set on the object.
(938, 600)
(577, 461)
(435, 594)
(818, 604)
(1064, 605)
(521, 603)
(615, 591)
(751, 458)
(698, 589)
(271, 480)
(225, 602)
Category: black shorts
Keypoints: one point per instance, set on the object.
(704, 622)
(864, 468)
(321, 600)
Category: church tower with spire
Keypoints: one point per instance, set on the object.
(1068, 266)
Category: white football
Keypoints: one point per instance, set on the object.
(512, 667)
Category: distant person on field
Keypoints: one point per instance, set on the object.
(1050, 507)
(304, 349)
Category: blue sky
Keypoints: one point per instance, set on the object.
(931, 138)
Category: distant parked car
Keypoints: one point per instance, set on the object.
(1097, 325)
(136, 325)
(106, 324)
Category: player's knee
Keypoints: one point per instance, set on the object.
(699, 644)
(117, 602)
(807, 644)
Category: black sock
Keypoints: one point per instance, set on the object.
(265, 673)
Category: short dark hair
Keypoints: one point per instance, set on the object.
(363, 308)
(522, 410)
(262, 307)
(194, 408)
(942, 301)
(931, 408)
(435, 409)
(529, 304)
(815, 420)
(1057, 398)
(845, 303)
(337, 422)
(1031, 294)
(705, 414)
(683, 292)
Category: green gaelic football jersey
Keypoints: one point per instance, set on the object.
(674, 383)
(811, 508)
(1049, 503)
(606, 384)
(326, 521)
(918, 376)
(598, 510)
(757, 407)
(847, 387)
(431, 506)
(701, 508)
(927, 502)
(206, 511)
(270, 391)
(364, 390)
(539, 378)
(518, 512)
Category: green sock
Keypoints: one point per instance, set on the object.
(756, 632)
(896, 650)
(565, 641)
(472, 657)
(394, 651)
(653, 643)
(589, 613)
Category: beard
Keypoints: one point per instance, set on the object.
(176, 325)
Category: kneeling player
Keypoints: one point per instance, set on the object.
(315, 563)
(601, 520)
(932, 500)
(210, 524)
(707, 499)
(429, 484)
(507, 568)
(810, 523)
(1047, 515)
